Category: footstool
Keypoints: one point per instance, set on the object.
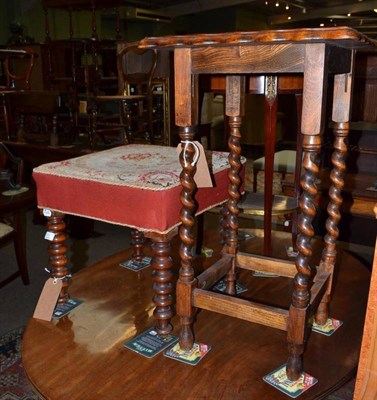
(137, 186)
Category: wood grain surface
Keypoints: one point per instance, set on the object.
(366, 382)
(344, 35)
(82, 356)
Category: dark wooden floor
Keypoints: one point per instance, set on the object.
(82, 357)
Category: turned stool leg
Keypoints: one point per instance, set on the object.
(341, 113)
(137, 242)
(162, 264)
(58, 250)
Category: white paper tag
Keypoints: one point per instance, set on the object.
(47, 212)
(48, 299)
(49, 235)
(202, 176)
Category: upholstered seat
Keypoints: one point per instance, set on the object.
(135, 185)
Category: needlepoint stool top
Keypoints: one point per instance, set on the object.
(133, 185)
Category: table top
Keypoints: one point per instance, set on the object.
(341, 36)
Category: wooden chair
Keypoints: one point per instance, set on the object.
(36, 115)
(133, 104)
(11, 211)
(14, 81)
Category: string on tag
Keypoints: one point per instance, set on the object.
(196, 155)
(61, 278)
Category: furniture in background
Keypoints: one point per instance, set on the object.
(357, 223)
(79, 61)
(311, 53)
(162, 89)
(133, 116)
(71, 6)
(36, 115)
(267, 203)
(161, 110)
(14, 80)
(266, 131)
(14, 199)
(80, 68)
(284, 163)
(34, 155)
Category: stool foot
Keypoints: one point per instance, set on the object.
(137, 241)
(163, 327)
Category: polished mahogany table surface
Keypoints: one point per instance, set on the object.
(82, 356)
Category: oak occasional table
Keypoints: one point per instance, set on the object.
(317, 54)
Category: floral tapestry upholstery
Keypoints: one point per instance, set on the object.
(133, 185)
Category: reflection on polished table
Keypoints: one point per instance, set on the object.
(81, 357)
